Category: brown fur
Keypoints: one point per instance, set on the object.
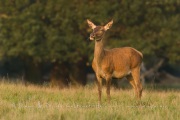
(114, 63)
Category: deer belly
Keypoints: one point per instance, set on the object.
(117, 74)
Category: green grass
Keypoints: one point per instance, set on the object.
(19, 102)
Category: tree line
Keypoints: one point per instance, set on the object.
(38, 37)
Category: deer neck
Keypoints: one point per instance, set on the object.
(99, 51)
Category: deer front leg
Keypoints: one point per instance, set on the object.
(99, 84)
(108, 85)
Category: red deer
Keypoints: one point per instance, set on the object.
(114, 63)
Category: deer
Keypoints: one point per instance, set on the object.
(114, 63)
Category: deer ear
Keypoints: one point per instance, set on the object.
(108, 25)
(91, 25)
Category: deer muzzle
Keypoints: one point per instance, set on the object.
(92, 36)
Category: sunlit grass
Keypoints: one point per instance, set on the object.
(36, 102)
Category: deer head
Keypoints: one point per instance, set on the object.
(98, 31)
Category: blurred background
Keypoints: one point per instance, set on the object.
(45, 41)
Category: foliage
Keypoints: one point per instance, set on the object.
(42, 31)
(56, 30)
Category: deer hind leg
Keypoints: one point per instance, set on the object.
(132, 82)
(136, 77)
(99, 84)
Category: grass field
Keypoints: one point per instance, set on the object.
(19, 102)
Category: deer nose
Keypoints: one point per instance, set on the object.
(92, 35)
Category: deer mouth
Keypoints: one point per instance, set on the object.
(95, 38)
(98, 39)
(91, 38)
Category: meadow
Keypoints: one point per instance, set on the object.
(19, 102)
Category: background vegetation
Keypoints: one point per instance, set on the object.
(49, 37)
